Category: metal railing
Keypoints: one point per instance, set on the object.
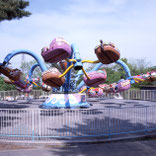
(37, 124)
(146, 95)
(42, 124)
(15, 95)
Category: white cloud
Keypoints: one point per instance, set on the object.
(118, 2)
(85, 23)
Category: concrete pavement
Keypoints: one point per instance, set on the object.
(128, 148)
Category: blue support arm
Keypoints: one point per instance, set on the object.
(66, 85)
(127, 70)
(31, 71)
(78, 65)
(23, 51)
(125, 67)
(119, 62)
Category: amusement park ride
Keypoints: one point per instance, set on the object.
(68, 57)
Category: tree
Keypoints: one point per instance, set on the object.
(4, 86)
(26, 66)
(13, 9)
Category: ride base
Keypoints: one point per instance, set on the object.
(75, 100)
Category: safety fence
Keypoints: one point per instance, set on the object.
(146, 95)
(38, 124)
(15, 95)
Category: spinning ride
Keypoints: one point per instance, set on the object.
(68, 57)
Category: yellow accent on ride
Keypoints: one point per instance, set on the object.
(70, 60)
(66, 71)
(36, 85)
(91, 88)
(70, 67)
(12, 81)
(85, 73)
(82, 90)
(138, 79)
(89, 61)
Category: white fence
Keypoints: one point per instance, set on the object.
(42, 124)
(35, 124)
(146, 95)
(15, 95)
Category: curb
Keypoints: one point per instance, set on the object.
(63, 143)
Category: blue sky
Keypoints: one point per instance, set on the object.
(130, 24)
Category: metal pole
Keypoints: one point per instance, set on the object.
(32, 125)
(109, 124)
(39, 122)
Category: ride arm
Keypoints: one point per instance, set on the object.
(24, 51)
(89, 61)
(66, 71)
(31, 72)
(83, 90)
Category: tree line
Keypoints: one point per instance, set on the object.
(114, 72)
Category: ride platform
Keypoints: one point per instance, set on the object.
(74, 100)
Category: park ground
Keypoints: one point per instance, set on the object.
(145, 147)
(135, 147)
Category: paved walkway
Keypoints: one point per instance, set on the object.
(96, 103)
(129, 148)
(126, 148)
